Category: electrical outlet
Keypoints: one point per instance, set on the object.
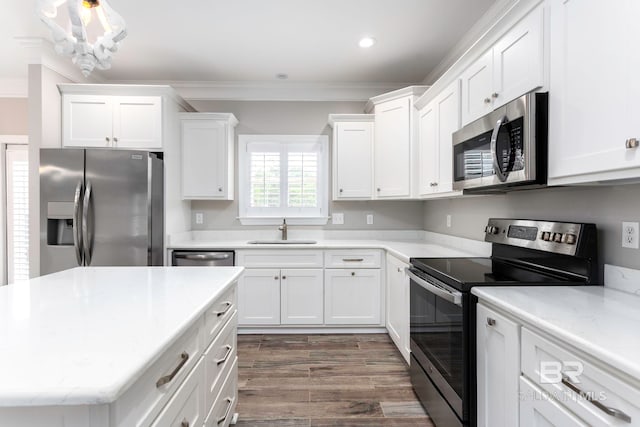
(199, 218)
(369, 219)
(337, 218)
(449, 221)
(630, 235)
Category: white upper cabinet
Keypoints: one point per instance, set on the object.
(105, 121)
(352, 156)
(208, 155)
(511, 68)
(594, 91)
(436, 123)
(394, 142)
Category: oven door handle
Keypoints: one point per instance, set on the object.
(453, 297)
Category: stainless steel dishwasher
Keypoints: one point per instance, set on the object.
(203, 258)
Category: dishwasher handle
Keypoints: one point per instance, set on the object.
(202, 256)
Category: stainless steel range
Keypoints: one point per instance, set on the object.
(442, 318)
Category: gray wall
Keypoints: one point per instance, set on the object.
(606, 206)
(290, 118)
(14, 116)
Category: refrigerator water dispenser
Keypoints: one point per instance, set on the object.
(60, 223)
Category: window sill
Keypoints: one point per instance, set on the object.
(278, 220)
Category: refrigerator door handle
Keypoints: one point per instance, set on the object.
(77, 231)
(87, 236)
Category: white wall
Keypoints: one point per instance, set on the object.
(606, 206)
(291, 118)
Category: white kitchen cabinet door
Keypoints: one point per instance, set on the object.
(477, 87)
(447, 105)
(87, 121)
(137, 122)
(498, 363)
(397, 315)
(353, 160)
(518, 59)
(539, 409)
(259, 297)
(392, 148)
(428, 147)
(352, 297)
(302, 297)
(594, 91)
(207, 159)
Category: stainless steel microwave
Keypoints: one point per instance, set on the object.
(504, 150)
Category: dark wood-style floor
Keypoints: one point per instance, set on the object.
(325, 380)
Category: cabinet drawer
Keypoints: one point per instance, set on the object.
(218, 357)
(186, 407)
(219, 313)
(564, 374)
(142, 402)
(225, 404)
(352, 258)
(279, 258)
(537, 409)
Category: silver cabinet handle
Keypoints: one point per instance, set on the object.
(226, 356)
(491, 322)
(77, 230)
(226, 309)
(487, 100)
(108, 140)
(184, 423)
(352, 259)
(502, 176)
(227, 411)
(87, 232)
(451, 296)
(494, 95)
(115, 141)
(632, 143)
(167, 378)
(399, 270)
(615, 413)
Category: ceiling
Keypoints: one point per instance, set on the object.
(253, 40)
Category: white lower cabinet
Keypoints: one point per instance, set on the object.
(221, 412)
(352, 297)
(397, 314)
(498, 363)
(259, 297)
(538, 409)
(301, 297)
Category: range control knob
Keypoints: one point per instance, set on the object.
(494, 230)
(546, 236)
(569, 238)
(557, 237)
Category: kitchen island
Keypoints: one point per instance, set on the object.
(119, 346)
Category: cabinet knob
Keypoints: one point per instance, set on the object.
(353, 273)
(378, 189)
(108, 140)
(399, 270)
(494, 95)
(219, 188)
(487, 100)
(276, 278)
(632, 143)
(184, 423)
(490, 321)
(341, 190)
(115, 139)
(284, 277)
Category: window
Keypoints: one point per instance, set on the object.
(17, 182)
(283, 176)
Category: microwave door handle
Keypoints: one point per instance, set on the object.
(452, 297)
(77, 229)
(502, 176)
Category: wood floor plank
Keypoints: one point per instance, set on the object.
(402, 409)
(291, 422)
(372, 422)
(401, 394)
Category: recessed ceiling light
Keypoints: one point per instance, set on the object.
(366, 42)
(282, 76)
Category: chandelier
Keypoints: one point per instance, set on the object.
(87, 30)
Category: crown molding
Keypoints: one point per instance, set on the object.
(14, 88)
(413, 91)
(337, 118)
(41, 51)
(274, 91)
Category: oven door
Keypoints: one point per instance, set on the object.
(438, 338)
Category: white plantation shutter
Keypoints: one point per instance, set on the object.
(283, 176)
(17, 180)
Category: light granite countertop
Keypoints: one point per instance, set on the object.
(83, 336)
(601, 322)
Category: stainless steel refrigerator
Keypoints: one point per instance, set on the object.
(101, 208)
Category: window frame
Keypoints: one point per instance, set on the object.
(245, 214)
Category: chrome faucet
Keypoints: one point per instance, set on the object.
(283, 228)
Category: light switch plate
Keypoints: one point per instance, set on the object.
(199, 218)
(337, 218)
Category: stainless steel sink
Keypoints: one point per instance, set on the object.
(282, 242)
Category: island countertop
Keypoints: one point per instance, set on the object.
(83, 336)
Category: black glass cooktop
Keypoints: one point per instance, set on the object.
(464, 273)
